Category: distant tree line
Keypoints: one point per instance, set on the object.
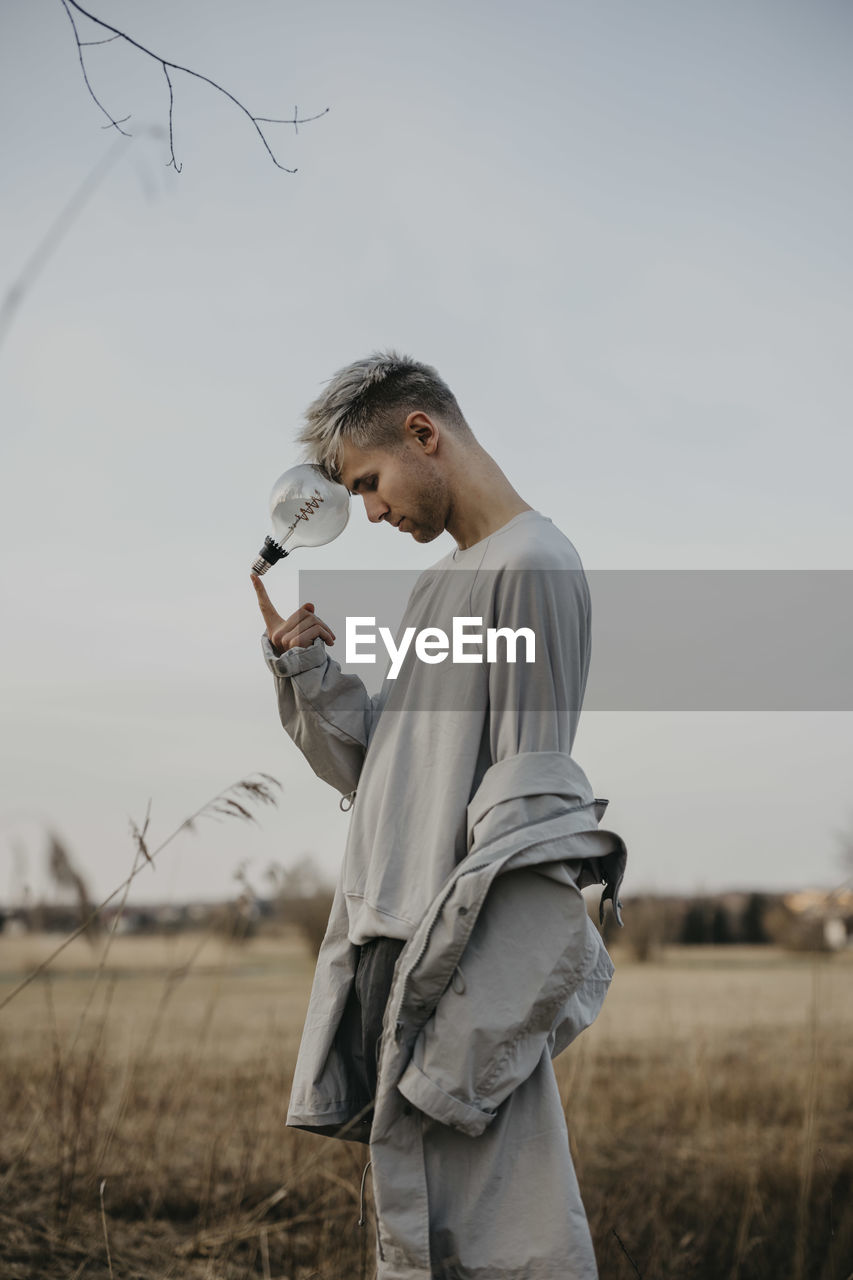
(654, 922)
(711, 923)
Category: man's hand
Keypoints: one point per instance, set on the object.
(300, 629)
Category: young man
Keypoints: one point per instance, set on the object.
(459, 957)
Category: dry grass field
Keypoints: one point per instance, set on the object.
(710, 1110)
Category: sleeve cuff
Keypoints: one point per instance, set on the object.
(293, 661)
(443, 1107)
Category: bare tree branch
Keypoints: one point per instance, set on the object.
(168, 65)
(115, 124)
(295, 122)
(173, 162)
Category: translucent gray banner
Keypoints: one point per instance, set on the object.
(662, 640)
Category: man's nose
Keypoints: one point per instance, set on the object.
(375, 507)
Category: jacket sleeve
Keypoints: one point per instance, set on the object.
(533, 947)
(329, 715)
(532, 950)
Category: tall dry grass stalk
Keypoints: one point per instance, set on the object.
(104, 1223)
(232, 802)
(809, 1131)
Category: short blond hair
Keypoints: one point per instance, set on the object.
(367, 403)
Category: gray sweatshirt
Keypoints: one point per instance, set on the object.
(416, 752)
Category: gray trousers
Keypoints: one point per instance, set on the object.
(361, 1025)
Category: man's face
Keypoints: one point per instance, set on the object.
(400, 486)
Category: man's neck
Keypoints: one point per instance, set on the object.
(482, 502)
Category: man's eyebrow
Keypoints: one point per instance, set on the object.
(353, 488)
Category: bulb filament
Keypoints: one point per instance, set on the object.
(304, 512)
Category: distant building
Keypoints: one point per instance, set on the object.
(821, 918)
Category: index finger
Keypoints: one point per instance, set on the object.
(268, 609)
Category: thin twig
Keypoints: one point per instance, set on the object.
(167, 64)
(114, 124)
(296, 122)
(637, 1270)
(173, 162)
(140, 833)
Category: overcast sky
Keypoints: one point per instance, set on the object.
(622, 234)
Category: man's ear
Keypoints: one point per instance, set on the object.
(424, 429)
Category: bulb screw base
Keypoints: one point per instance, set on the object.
(270, 554)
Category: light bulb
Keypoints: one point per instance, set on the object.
(307, 510)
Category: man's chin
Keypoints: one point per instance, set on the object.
(420, 534)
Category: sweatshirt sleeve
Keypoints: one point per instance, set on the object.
(329, 715)
(535, 705)
(533, 953)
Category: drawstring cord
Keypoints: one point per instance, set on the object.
(346, 802)
(361, 1217)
